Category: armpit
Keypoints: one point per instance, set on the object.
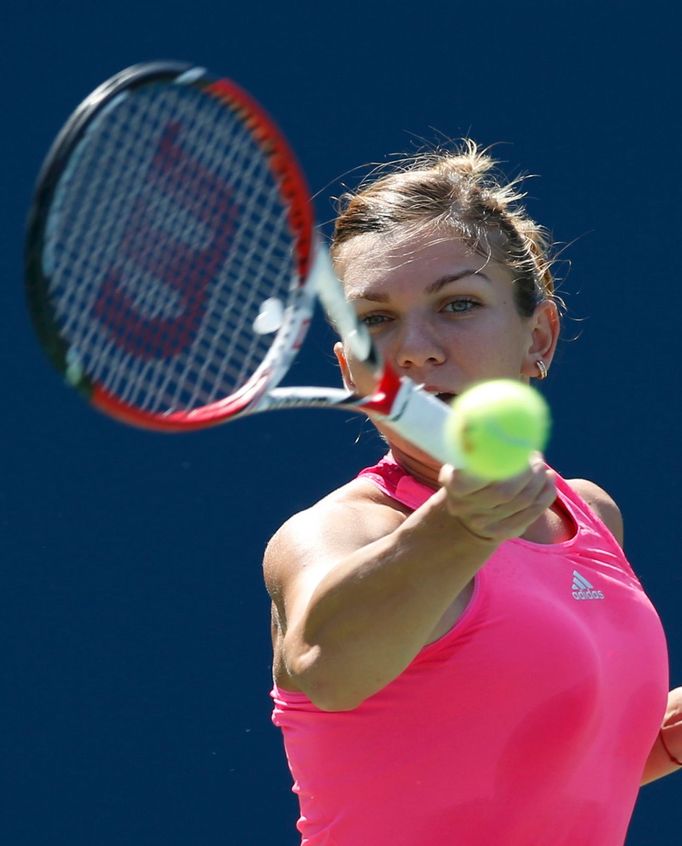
(603, 505)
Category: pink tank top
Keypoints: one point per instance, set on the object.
(528, 723)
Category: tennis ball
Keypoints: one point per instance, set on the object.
(496, 425)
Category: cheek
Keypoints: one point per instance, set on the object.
(362, 377)
(506, 336)
(489, 352)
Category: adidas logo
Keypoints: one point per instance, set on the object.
(582, 589)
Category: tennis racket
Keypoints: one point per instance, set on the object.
(172, 263)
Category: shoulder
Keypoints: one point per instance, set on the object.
(602, 503)
(312, 541)
(358, 510)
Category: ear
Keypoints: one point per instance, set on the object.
(544, 328)
(340, 354)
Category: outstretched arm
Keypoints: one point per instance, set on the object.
(358, 593)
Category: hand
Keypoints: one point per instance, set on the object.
(497, 511)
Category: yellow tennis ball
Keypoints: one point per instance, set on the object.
(496, 425)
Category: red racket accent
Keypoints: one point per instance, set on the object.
(384, 396)
(179, 421)
(282, 162)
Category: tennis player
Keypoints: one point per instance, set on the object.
(461, 662)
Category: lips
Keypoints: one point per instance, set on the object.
(443, 396)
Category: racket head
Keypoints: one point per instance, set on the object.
(168, 210)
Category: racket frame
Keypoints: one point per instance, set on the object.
(400, 404)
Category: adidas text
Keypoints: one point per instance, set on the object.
(588, 594)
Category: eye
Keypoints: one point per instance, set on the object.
(461, 305)
(371, 320)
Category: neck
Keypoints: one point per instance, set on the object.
(418, 464)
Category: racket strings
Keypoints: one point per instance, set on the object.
(168, 230)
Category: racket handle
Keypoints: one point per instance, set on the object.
(420, 418)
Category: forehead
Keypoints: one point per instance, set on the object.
(376, 258)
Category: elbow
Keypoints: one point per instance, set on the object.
(327, 690)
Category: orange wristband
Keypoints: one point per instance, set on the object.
(668, 752)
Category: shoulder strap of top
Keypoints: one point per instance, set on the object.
(389, 477)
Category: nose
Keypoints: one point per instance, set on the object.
(418, 345)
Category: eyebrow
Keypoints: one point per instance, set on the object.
(433, 288)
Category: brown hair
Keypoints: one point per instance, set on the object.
(455, 191)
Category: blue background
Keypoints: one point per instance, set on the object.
(135, 654)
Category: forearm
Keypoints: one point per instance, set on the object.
(667, 750)
(373, 612)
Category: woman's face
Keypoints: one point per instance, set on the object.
(440, 313)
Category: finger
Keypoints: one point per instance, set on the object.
(458, 481)
(459, 484)
(512, 518)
